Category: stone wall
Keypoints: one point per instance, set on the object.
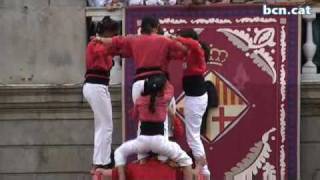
(42, 41)
(46, 133)
(310, 131)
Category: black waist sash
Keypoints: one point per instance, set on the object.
(194, 85)
(151, 128)
(97, 76)
(157, 71)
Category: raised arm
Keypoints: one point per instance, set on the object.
(104, 40)
(120, 43)
(177, 50)
(177, 46)
(190, 43)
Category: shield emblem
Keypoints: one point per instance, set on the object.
(232, 107)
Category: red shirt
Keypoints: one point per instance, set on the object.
(98, 57)
(141, 108)
(147, 50)
(195, 59)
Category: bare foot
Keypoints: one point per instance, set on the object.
(201, 161)
(104, 172)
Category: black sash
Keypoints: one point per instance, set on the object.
(151, 128)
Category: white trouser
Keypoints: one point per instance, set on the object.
(137, 89)
(156, 144)
(98, 97)
(194, 108)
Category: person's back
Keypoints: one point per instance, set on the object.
(147, 50)
(142, 111)
(98, 56)
(150, 50)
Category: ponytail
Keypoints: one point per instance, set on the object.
(99, 29)
(152, 87)
(206, 50)
(152, 104)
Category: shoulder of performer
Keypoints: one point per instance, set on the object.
(92, 43)
(94, 46)
(189, 42)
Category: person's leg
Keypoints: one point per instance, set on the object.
(206, 172)
(182, 159)
(167, 125)
(173, 151)
(166, 135)
(128, 148)
(202, 167)
(104, 172)
(98, 97)
(194, 108)
(121, 172)
(137, 89)
(187, 173)
(162, 146)
(125, 150)
(171, 115)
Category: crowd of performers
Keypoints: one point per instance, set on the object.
(152, 94)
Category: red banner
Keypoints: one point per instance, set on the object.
(253, 134)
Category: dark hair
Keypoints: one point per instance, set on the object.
(152, 86)
(190, 33)
(148, 24)
(160, 31)
(107, 25)
(206, 50)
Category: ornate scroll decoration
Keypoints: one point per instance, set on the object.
(172, 21)
(282, 107)
(255, 47)
(210, 21)
(255, 160)
(256, 20)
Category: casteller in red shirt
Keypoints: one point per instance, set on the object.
(150, 52)
(141, 110)
(195, 63)
(99, 62)
(194, 67)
